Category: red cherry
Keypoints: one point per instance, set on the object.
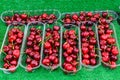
(28, 60)
(93, 61)
(6, 65)
(91, 34)
(83, 28)
(56, 61)
(57, 44)
(47, 45)
(66, 45)
(24, 16)
(69, 59)
(44, 16)
(85, 50)
(104, 14)
(56, 28)
(67, 20)
(37, 56)
(46, 62)
(52, 57)
(111, 40)
(16, 53)
(114, 51)
(65, 54)
(14, 62)
(67, 16)
(92, 55)
(103, 37)
(113, 58)
(29, 68)
(104, 54)
(34, 63)
(74, 63)
(89, 14)
(109, 31)
(105, 59)
(68, 67)
(12, 38)
(74, 69)
(5, 48)
(91, 47)
(86, 56)
(12, 68)
(86, 61)
(75, 17)
(69, 50)
(113, 65)
(71, 32)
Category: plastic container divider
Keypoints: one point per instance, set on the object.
(35, 24)
(72, 27)
(51, 26)
(110, 12)
(97, 48)
(31, 13)
(5, 42)
(114, 35)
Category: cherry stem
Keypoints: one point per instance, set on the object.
(12, 45)
(29, 57)
(8, 62)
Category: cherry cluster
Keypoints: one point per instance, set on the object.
(51, 47)
(70, 50)
(86, 16)
(107, 44)
(88, 43)
(24, 18)
(33, 48)
(12, 50)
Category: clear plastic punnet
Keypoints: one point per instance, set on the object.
(31, 13)
(37, 25)
(47, 38)
(110, 13)
(5, 42)
(62, 59)
(97, 46)
(114, 35)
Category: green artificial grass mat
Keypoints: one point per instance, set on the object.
(100, 73)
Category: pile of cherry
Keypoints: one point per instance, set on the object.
(51, 43)
(88, 44)
(33, 48)
(70, 51)
(12, 49)
(25, 18)
(51, 47)
(108, 46)
(86, 16)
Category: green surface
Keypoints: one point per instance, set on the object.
(101, 73)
